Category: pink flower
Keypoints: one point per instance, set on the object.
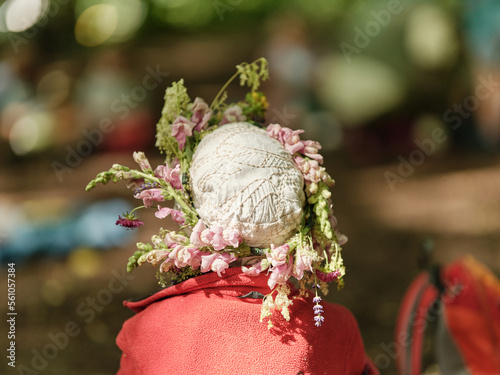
(280, 274)
(201, 114)
(333, 221)
(190, 256)
(177, 216)
(195, 237)
(149, 196)
(310, 169)
(155, 257)
(341, 238)
(140, 158)
(182, 128)
(217, 241)
(162, 213)
(166, 265)
(273, 130)
(183, 256)
(233, 114)
(254, 268)
(172, 239)
(212, 236)
(206, 236)
(219, 265)
(311, 150)
(302, 263)
(292, 140)
(278, 255)
(288, 137)
(231, 237)
(170, 175)
(173, 254)
(216, 262)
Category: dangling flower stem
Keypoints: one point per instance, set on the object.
(221, 91)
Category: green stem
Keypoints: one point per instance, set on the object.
(326, 258)
(131, 212)
(221, 91)
(229, 82)
(173, 192)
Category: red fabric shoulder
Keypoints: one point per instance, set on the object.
(204, 327)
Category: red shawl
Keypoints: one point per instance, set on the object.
(203, 326)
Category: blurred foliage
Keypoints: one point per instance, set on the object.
(136, 20)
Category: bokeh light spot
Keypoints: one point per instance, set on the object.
(359, 90)
(54, 87)
(431, 39)
(96, 25)
(128, 16)
(84, 263)
(184, 13)
(20, 15)
(31, 133)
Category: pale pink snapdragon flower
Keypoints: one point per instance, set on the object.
(156, 256)
(183, 256)
(253, 268)
(231, 237)
(176, 215)
(173, 239)
(217, 241)
(206, 236)
(273, 130)
(188, 256)
(140, 158)
(216, 262)
(233, 114)
(311, 149)
(278, 255)
(291, 140)
(170, 175)
(181, 129)
(302, 263)
(149, 196)
(280, 274)
(201, 114)
(195, 237)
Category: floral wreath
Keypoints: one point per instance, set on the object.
(312, 255)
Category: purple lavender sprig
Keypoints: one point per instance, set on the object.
(318, 310)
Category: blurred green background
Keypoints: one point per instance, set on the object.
(403, 95)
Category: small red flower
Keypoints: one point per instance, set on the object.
(129, 221)
(328, 277)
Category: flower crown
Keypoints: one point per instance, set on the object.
(312, 255)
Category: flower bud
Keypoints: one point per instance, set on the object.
(326, 194)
